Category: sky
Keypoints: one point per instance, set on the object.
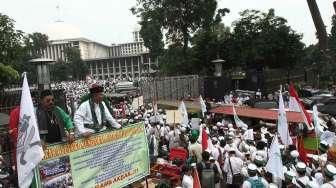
(110, 21)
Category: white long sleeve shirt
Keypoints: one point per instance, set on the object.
(237, 165)
(83, 116)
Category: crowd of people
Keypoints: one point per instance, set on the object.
(233, 156)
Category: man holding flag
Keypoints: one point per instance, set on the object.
(29, 150)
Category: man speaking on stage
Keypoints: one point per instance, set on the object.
(93, 116)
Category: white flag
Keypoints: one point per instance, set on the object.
(248, 135)
(282, 123)
(203, 106)
(293, 105)
(318, 128)
(274, 163)
(29, 151)
(184, 114)
(238, 122)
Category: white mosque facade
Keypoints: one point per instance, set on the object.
(114, 61)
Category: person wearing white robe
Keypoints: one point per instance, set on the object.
(188, 180)
(84, 116)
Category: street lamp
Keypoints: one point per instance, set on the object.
(218, 66)
(43, 73)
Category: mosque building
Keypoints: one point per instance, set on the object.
(104, 61)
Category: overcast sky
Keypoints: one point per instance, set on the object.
(110, 21)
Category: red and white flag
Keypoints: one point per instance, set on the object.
(196, 183)
(305, 115)
(203, 138)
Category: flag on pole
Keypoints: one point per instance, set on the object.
(274, 163)
(304, 113)
(238, 122)
(302, 151)
(29, 151)
(203, 106)
(293, 105)
(282, 123)
(184, 114)
(318, 128)
(203, 138)
(196, 180)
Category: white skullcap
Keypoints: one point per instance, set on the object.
(331, 169)
(252, 167)
(301, 165)
(221, 138)
(281, 146)
(294, 153)
(315, 157)
(214, 127)
(290, 173)
(230, 125)
(183, 129)
(219, 124)
(232, 129)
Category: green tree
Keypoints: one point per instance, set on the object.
(10, 49)
(265, 40)
(60, 71)
(35, 43)
(178, 18)
(78, 67)
(207, 45)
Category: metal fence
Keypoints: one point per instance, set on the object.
(171, 88)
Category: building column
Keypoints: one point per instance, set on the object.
(102, 68)
(113, 65)
(120, 70)
(132, 68)
(91, 69)
(139, 73)
(149, 63)
(108, 69)
(97, 72)
(142, 64)
(126, 68)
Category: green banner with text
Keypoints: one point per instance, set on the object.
(110, 159)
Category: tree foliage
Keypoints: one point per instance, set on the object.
(178, 19)
(16, 48)
(10, 49)
(78, 68)
(35, 43)
(264, 39)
